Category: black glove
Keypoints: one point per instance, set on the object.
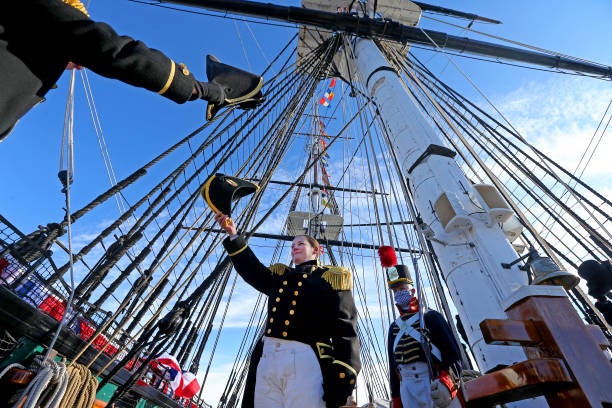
(208, 91)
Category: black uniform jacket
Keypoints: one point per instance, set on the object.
(310, 304)
(408, 351)
(39, 37)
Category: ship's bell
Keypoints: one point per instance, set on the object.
(546, 272)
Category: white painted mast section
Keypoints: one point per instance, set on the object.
(472, 253)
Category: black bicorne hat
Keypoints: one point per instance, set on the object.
(398, 274)
(598, 276)
(219, 191)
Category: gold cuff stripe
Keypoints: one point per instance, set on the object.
(343, 364)
(238, 251)
(170, 79)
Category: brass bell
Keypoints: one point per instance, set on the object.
(546, 272)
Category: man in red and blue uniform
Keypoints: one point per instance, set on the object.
(419, 377)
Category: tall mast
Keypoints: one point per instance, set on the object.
(469, 247)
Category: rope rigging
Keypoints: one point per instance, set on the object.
(160, 282)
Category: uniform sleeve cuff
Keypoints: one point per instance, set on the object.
(179, 84)
(235, 246)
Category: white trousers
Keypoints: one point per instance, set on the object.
(288, 376)
(415, 385)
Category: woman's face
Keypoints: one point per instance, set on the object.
(302, 250)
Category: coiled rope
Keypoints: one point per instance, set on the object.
(50, 375)
(57, 386)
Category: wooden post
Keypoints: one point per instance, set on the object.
(565, 363)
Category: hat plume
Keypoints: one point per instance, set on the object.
(387, 256)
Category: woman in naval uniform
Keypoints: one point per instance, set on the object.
(309, 354)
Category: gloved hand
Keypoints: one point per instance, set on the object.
(208, 91)
(440, 394)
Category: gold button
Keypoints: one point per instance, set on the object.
(274, 309)
(277, 299)
(184, 69)
(304, 276)
(284, 334)
(352, 382)
(300, 283)
(280, 290)
(292, 312)
(341, 375)
(293, 302)
(271, 319)
(286, 322)
(284, 282)
(269, 331)
(296, 293)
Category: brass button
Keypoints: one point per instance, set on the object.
(296, 293)
(352, 382)
(280, 290)
(277, 299)
(293, 302)
(271, 319)
(274, 309)
(184, 69)
(284, 334)
(341, 375)
(269, 331)
(284, 282)
(286, 322)
(300, 283)
(292, 312)
(304, 276)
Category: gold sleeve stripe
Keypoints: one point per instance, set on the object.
(238, 251)
(170, 78)
(343, 364)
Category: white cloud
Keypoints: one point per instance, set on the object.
(561, 118)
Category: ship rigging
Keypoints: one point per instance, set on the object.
(333, 161)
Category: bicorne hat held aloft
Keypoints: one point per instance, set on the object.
(219, 191)
(240, 87)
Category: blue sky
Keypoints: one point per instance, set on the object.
(559, 113)
(138, 124)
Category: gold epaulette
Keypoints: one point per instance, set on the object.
(339, 277)
(279, 268)
(77, 5)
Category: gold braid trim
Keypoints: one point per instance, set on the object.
(238, 251)
(77, 5)
(348, 367)
(339, 277)
(279, 268)
(169, 80)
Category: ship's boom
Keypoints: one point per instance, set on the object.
(391, 30)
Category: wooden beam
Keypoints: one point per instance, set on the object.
(509, 332)
(523, 380)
